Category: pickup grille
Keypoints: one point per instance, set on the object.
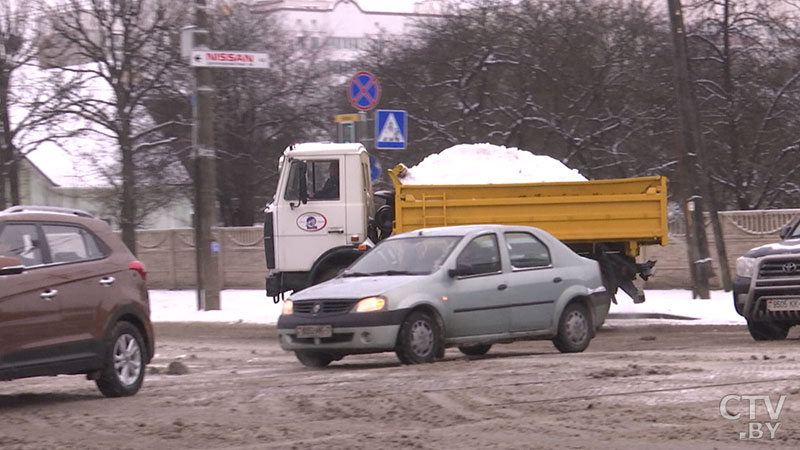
(777, 276)
(780, 268)
(327, 306)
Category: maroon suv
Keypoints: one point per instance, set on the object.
(73, 300)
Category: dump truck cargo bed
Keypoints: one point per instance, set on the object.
(630, 211)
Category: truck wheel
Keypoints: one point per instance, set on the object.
(767, 331)
(314, 359)
(574, 329)
(474, 349)
(124, 361)
(419, 339)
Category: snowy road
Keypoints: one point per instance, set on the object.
(655, 386)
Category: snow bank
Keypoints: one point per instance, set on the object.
(253, 306)
(488, 164)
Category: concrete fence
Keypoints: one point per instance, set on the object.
(742, 230)
(170, 254)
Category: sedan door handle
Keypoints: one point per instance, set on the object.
(49, 294)
(502, 287)
(557, 280)
(107, 281)
(336, 231)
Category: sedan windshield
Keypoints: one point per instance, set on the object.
(419, 255)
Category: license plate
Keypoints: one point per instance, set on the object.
(783, 304)
(314, 331)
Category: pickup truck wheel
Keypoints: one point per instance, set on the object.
(574, 329)
(767, 331)
(475, 349)
(419, 339)
(123, 371)
(314, 359)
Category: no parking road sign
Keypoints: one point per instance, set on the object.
(391, 129)
(364, 91)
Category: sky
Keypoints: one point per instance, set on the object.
(253, 306)
(387, 5)
(68, 162)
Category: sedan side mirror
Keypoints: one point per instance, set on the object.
(460, 271)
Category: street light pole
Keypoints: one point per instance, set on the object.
(689, 155)
(205, 178)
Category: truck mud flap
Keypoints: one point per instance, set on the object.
(636, 293)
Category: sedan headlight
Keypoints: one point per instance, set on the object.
(371, 304)
(288, 307)
(745, 266)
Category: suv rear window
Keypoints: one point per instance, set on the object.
(70, 243)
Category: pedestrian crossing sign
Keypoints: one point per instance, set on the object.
(391, 129)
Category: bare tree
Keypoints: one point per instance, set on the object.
(121, 50)
(17, 45)
(586, 82)
(747, 59)
(260, 112)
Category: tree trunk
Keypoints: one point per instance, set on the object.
(9, 179)
(128, 213)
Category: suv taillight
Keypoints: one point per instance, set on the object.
(139, 267)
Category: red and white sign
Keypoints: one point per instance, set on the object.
(229, 59)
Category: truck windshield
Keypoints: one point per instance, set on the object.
(322, 180)
(419, 255)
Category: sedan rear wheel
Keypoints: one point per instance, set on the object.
(574, 329)
(419, 339)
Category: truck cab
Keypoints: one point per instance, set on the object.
(321, 211)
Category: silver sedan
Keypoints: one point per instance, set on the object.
(469, 287)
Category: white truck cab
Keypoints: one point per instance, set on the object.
(319, 216)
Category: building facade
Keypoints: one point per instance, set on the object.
(344, 28)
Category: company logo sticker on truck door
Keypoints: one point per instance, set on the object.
(312, 221)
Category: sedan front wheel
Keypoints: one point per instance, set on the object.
(419, 339)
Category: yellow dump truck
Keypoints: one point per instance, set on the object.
(308, 239)
(607, 220)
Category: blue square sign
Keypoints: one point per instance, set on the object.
(391, 129)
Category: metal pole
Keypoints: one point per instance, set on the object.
(205, 212)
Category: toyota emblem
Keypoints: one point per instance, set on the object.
(318, 307)
(790, 268)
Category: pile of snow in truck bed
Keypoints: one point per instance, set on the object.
(488, 164)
